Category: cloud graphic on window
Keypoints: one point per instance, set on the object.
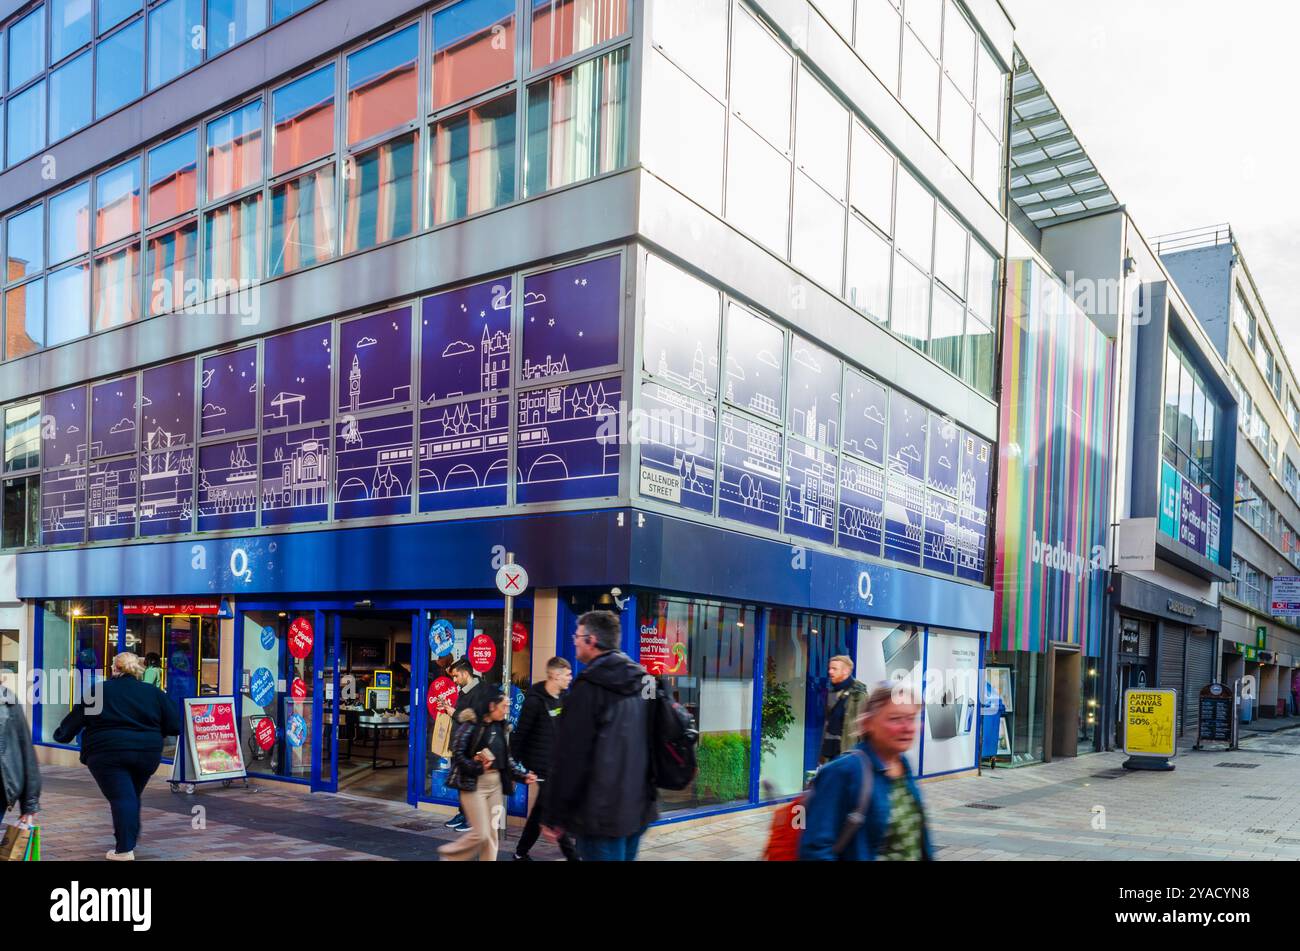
(909, 452)
(765, 356)
(210, 409)
(534, 297)
(366, 342)
(874, 414)
(804, 357)
(457, 348)
(123, 426)
(73, 429)
(943, 461)
(144, 401)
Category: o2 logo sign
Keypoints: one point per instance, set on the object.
(864, 588)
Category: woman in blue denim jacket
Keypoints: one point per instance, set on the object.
(893, 826)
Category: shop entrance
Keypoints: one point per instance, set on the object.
(1065, 667)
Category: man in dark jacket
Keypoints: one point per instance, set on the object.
(602, 785)
(533, 742)
(20, 776)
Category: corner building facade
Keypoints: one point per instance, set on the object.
(481, 297)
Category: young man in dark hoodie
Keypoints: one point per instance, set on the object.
(602, 786)
(533, 743)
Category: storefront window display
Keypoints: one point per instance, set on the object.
(1019, 678)
(78, 641)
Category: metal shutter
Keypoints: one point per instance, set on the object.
(1172, 646)
(1200, 673)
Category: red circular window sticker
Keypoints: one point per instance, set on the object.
(482, 653)
(518, 637)
(265, 733)
(298, 689)
(443, 690)
(301, 637)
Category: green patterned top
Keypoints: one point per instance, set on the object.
(903, 838)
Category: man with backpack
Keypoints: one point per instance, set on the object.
(602, 781)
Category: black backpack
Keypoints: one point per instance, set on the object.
(674, 737)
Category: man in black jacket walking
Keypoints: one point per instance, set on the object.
(533, 742)
(602, 785)
(20, 776)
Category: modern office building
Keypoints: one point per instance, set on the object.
(1255, 641)
(692, 307)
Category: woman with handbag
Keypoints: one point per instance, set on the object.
(20, 776)
(483, 771)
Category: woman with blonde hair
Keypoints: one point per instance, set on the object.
(122, 723)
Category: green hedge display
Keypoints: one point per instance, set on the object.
(724, 767)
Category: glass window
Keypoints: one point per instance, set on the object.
(24, 314)
(950, 252)
(946, 331)
(233, 21)
(957, 128)
(26, 47)
(1185, 393)
(867, 283)
(676, 109)
(172, 263)
(232, 237)
(119, 69)
(992, 92)
(839, 14)
(1243, 318)
(26, 123)
(914, 220)
(878, 39)
(22, 437)
(474, 160)
(691, 37)
(983, 282)
(286, 8)
(977, 361)
(70, 223)
(758, 188)
(302, 221)
(69, 27)
(577, 124)
(755, 354)
(562, 28)
(682, 319)
(818, 234)
(871, 188)
(68, 294)
(925, 17)
(117, 287)
(117, 203)
(382, 85)
(473, 49)
(813, 398)
(910, 317)
(70, 99)
(173, 177)
(959, 51)
(760, 81)
(1173, 368)
(175, 39)
(822, 135)
(302, 116)
(920, 83)
(380, 194)
(25, 244)
(113, 12)
(573, 318)
(988, 164)
(235, 150)
(21, 513)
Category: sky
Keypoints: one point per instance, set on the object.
(1185, 107)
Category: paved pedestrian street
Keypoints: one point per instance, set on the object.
(1215, 806)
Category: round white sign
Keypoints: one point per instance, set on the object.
(512, 580)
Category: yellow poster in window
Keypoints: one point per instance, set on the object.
(1150, 722)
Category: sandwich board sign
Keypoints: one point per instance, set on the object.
(1150, 727)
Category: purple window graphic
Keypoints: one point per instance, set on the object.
(228, 485)
(750, 486)
(167, 407)
(296, 377)
(862, 505)
(814, 394)
(110, 499)
(296, 476)
(906, 437)
(755, 351)
(465, 341)
(940, 533)
(904, 518)
(973, 524)
(810, 474)
(229, 388)
(571, 318)
(166, 491)
(63, 506)
(464, 450)
(865, 403)
(679, 438)
(944, 443)
(112, 418)
(682, 320)
(63, 428)
(568, 442)
(375, 361)
(374, 466)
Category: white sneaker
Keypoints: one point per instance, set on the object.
(113, 856)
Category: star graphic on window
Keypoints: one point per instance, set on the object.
(551, 322)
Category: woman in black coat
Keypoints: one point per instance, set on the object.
(122, 723)
(484, 772)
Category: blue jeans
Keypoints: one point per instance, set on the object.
(122, 777)
(604, 848)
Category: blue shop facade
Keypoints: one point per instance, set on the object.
(286, 520)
